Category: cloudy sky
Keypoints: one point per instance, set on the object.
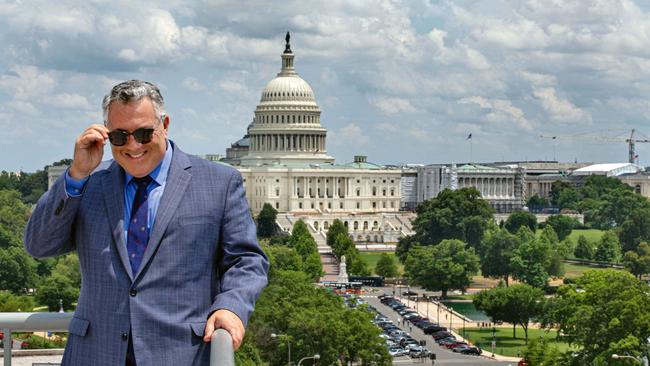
(399, 81)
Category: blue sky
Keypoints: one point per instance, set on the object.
(399, 81)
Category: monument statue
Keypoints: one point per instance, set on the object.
(343, 272)
(287, 47)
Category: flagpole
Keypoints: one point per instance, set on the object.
(471, 147)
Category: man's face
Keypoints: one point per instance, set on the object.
(135, 158)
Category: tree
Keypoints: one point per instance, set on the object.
(568, 198)
(496, 252)
(539, 352)
(537, 203)
(557, 188)
(447, 265)
(635, 229)
(521, 218)
(386, 266)
(13, 215)
(14, 303)
(283, 258)
(638, 262)
(584, 249)
(609, 248)
(602, 313)
(305, 245)
(563, 225)
(57, 288)
(517, 304)
(534, 261)
(17, 270)
(315, 321)
(617, 206)
(266, 225)
(460, 214)
(356, 265)
(333, 231)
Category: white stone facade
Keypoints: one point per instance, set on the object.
(321, 190)
(502, 187)
(288, 167)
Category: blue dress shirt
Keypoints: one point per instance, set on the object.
(74, 187)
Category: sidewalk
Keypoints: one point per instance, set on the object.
(449, 318)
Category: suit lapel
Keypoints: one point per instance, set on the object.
(113, 184)
(178, 179)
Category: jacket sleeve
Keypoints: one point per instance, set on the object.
(244, 266)
(49, 230)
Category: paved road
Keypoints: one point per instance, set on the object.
(444, 356)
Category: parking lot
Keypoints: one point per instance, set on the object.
(444, 356)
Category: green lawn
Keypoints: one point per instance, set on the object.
(505, 344)
(592, 235)
(576, 270)
(373, 257)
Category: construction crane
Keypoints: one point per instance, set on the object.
(633, 157)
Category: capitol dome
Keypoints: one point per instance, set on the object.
(286, 127)
(288, 89)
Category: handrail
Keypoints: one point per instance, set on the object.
(221, 350)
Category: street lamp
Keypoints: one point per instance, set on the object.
(315, 357)
(643, 361)
(273, 335)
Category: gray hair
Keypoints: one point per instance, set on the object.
(132, 91)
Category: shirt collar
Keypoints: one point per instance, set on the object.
(159, 174)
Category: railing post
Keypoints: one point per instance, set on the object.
(221, 352)
(7, 346)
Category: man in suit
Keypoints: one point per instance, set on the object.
(165, 240)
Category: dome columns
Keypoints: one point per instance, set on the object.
(284, 142)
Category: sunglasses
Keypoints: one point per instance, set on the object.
(141, 135)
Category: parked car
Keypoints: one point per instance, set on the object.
(445, 341)
(441, 334)
(418, 351)
(467, 350)
(397, 351)
(434, 329)
(454, 345)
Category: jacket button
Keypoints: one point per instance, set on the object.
(133, 292)
(125, 336)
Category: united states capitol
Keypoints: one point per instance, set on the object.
(283, 160)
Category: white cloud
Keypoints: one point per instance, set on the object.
(498, 68)
(27, 82)
(68, 101)
(192, 84)
(393, 105)
(349, 134)
(500, 111)
(561, 110)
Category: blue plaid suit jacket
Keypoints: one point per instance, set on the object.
(202, 256)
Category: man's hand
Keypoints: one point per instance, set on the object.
(88, 151)
(227, 320)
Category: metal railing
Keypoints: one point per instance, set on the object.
(221, 351)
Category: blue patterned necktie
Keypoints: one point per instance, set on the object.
(138, 235)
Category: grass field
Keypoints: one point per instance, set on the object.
(372, 257)
(505, 344)
(592, 235)
(576, 270)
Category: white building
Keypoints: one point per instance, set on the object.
(287, 166)
(502, 187)
(610, 170)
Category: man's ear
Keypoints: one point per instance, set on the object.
(166, 122)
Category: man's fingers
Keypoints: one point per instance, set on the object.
(209, 329)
